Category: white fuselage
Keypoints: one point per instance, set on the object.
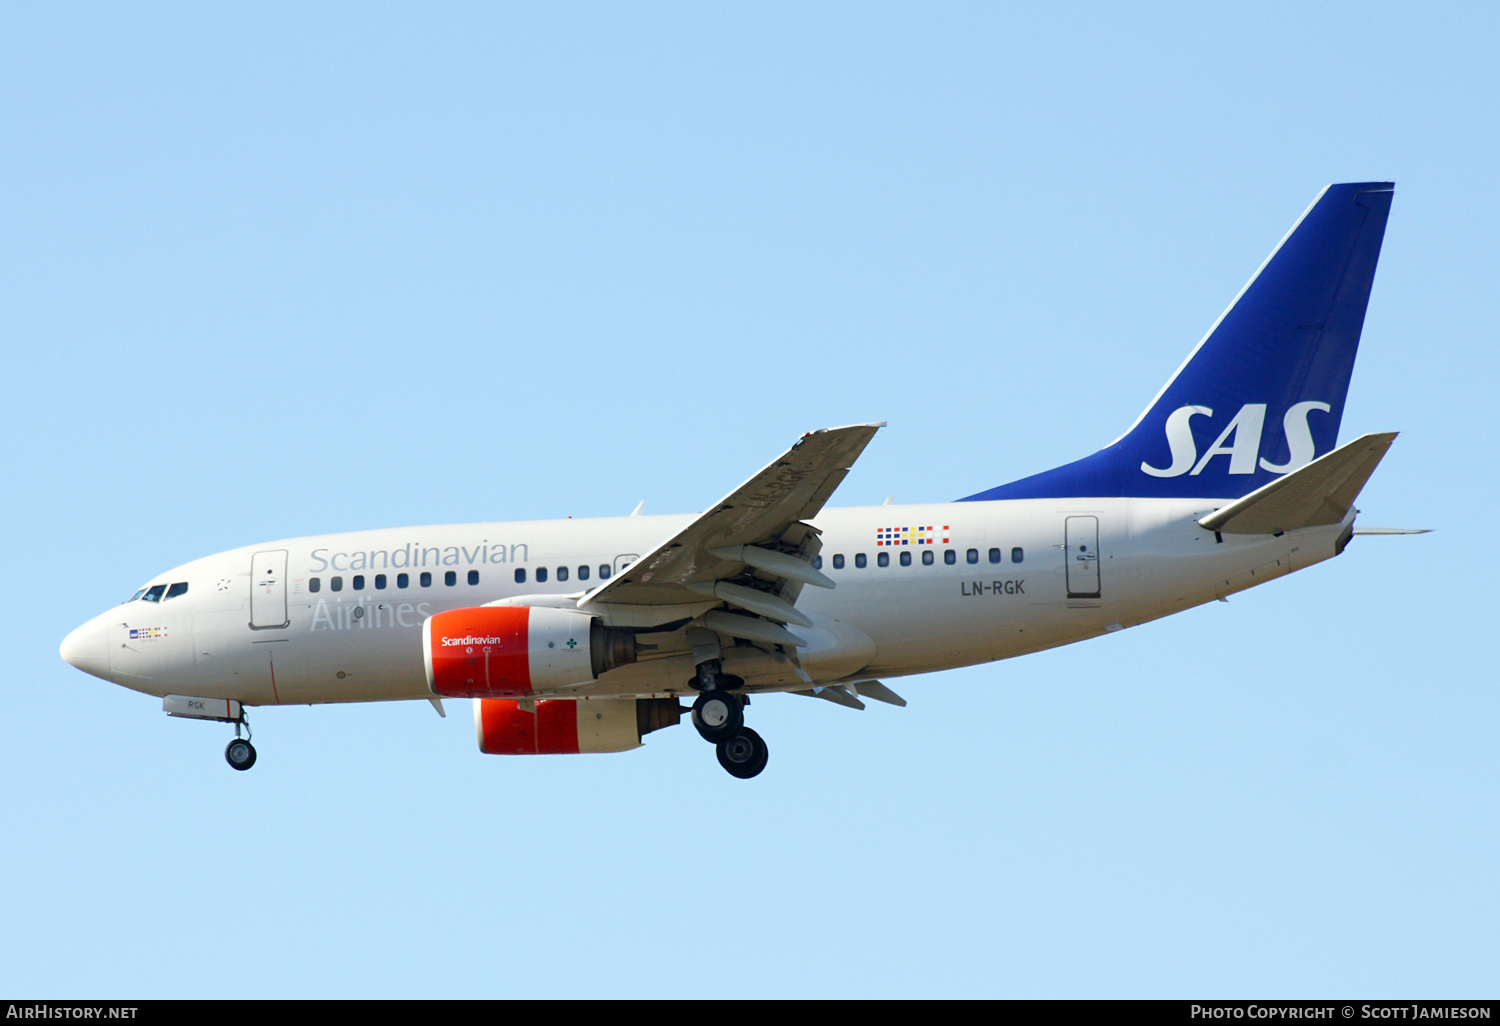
(354, 640)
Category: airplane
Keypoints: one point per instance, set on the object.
(583, 636)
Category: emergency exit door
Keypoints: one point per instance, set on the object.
(268, 590)
(1082, 549)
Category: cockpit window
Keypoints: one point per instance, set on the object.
(180, 588)
(136, 595)
(153, 593)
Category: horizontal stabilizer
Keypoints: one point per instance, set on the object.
(1317, 495)
(1391, 530)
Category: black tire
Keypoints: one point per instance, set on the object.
(718, 715)
(240, 754)
(744, 755)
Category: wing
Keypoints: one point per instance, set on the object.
(755, 536)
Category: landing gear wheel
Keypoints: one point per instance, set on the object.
(240, 754)
(743, 755)
(718, 715)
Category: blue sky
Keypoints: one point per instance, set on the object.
(275, 271)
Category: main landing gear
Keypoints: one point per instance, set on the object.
(240, 753)
(719, 715)
(743, 755)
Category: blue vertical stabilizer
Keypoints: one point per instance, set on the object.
(1263, 393)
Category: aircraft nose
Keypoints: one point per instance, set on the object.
(87, 648)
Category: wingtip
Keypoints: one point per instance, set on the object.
(871, 425)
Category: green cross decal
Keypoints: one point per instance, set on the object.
(572, 643)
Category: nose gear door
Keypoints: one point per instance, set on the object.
(268, 590)
(1082, 552)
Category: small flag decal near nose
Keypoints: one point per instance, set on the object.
(908, 535)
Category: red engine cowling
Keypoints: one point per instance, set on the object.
(515, 651)
(566, 727)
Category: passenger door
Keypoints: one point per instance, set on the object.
(268, 590)
(1082, 553)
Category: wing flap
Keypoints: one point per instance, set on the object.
(834, 693)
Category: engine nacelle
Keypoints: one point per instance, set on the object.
(515, 651)
(561, 726)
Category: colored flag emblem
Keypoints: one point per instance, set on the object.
(903, 536)
(917, 535)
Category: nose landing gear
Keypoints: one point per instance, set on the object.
(719, 716)
(240, 753)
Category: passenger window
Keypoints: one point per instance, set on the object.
(335, 584)
(562, 573)
(425, 580)
(817, 562)
(473, 576)
(402, 580)
(380, 582)
(972, 556)
(906, 559)
(859, 560)
(450, 578)
(603, 571)
(153, 594)
(883, 558)
(583, 573)
(996, 556)
(838, 562)
(520, 575)
(541, 575)
(180, 588)
(926, 557)
(358, 582)
(950, 557)
(315, 585)
(1016, 555)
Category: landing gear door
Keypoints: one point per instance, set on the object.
(268, 590)
(1082, 550)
